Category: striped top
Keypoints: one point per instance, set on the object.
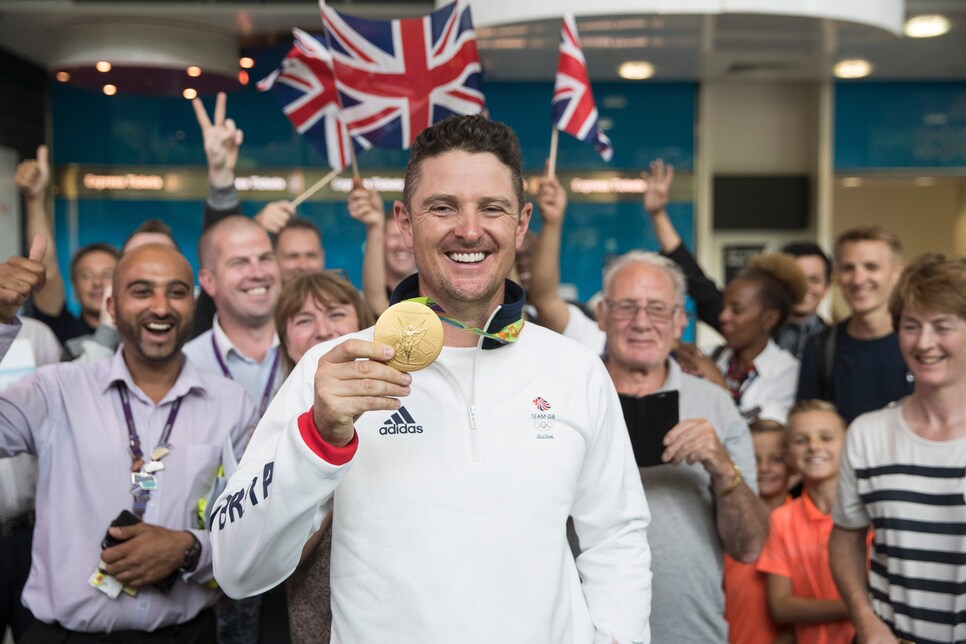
(911, 490)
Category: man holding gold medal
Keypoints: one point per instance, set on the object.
(451, 477)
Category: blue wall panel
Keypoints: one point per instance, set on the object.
(881, 126)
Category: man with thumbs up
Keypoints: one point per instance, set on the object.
(139, 434)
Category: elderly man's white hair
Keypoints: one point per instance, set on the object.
(650, 259)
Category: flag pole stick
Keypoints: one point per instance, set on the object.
(355, 164)
(552, 162)
(318, 185)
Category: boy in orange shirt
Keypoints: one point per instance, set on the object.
(795, 559)
(746, 602)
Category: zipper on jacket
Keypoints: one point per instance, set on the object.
(476, 455)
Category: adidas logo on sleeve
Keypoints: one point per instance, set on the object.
(400, 423)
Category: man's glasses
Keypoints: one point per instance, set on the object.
(627, 309)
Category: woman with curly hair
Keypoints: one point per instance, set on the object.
(761, 377)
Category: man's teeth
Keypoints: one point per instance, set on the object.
(159, 326)
(467, 258)
(258, 290)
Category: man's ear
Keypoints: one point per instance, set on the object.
(207, 281)
(524, 224)
(111, 305)
(404, 221)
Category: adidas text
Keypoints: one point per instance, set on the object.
(401, 429)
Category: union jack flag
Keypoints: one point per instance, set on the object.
(305, 87)
(574, 110)
(541, 404)
(397, 77)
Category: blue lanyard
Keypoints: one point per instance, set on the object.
(267, 396)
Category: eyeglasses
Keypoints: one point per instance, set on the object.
(627, 310)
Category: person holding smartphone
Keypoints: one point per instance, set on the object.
(693, 449)
(139, 432)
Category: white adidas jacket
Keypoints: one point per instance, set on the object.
(450, 517)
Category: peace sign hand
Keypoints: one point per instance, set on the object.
(222, 140)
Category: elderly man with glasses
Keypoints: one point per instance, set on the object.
(700, 478)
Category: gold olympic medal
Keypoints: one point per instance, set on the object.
(414, 331)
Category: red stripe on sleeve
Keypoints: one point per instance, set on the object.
(329, 453)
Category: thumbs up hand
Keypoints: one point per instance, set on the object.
(21, 276)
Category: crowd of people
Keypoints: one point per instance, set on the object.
(245, 466)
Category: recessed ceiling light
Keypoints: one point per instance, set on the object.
(103, 66)
(110, 90)
(926, 26)
(246, 63)
(851, 182)
(854, 68)
(190, 93)
(635, 70)
(194, 71)
(63, 77)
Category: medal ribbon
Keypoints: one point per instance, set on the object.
(267, 396)
(142, 496)
(509, 333)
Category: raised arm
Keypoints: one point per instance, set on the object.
(222, 140)
(543, 293)
(21, 276)
(656, 199)
(706, 295)
(366, 206)
(280, 493)
(33, 179)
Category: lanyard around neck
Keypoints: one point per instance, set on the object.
(509, 333)
(141, 494)
(267, 395)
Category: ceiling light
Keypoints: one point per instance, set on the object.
(635, 70)
(63, 77)
(851, 182)
(246, 63)
(926, 26)
(110, 90)
(855, 68)
(148, 57)
(194, 71)
(190, 93)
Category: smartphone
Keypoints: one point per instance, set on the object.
(126, 517)
(649, 419)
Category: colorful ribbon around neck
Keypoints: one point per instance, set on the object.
(509, 333)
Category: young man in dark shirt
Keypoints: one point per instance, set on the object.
(857, 364)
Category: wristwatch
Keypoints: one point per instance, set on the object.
(191, 556)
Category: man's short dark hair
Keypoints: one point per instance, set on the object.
(807, 249)
(298, 223)
(475, 134)
(150, 226)
(96, 247)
